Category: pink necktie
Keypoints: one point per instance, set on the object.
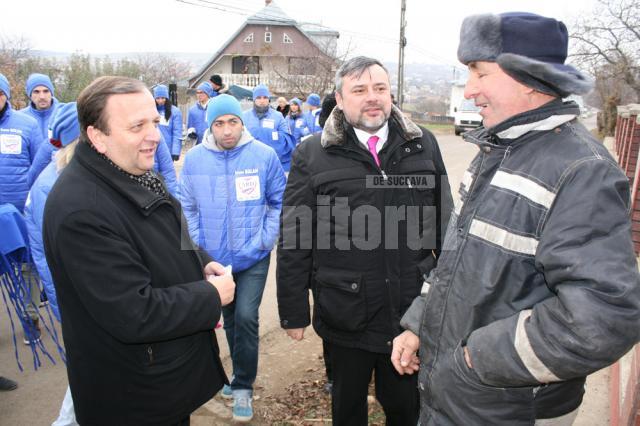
(372, 142)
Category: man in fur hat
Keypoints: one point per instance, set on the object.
(537, 285)
(366, 237)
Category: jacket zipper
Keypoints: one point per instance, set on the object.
(150, 352)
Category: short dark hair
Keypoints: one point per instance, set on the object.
(92, 101)
(356, 67)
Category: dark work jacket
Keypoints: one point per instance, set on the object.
(356, 250)
(537, 277)
(137, 313)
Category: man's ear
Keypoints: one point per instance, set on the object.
(96, 137)
(339, 100)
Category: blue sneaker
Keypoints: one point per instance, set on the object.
(242, 410)
(226, 392)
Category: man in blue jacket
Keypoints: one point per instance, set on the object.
(269, 126)
(312, 116)
(231, 190)
(196, 120)
(19, 136)
(42, 106)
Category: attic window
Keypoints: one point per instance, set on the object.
(286, 39)
(267, 37)
(249, 38)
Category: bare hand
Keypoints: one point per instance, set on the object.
(226, 287)
(467, 357)
(404, 354)
(296, 333)
(214, 268)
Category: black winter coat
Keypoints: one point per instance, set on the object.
(137, 314)
(366, 237)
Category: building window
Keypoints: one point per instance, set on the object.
(267, 37)
(249, 38)
(286, 39)
(245, 65)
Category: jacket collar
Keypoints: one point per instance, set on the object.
(141, 197)
(545, 118)
(336, 127)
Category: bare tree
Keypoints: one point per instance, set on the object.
(608, 44)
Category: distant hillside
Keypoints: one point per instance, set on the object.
(197, 59)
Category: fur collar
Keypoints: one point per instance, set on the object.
(335, 127)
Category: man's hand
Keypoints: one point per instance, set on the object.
(296, 333)
(225, 285)
(467, 357)
(214, 268)
(403, 355)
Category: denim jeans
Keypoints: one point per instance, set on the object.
(241, 324)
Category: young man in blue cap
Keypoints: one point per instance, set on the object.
(231, 191)
(538, 284)
(313, 114)
(197, 120)
(269, 126)
(42, 105)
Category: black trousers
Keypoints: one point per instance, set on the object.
(352, 369)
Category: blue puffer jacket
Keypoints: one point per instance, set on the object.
(313, 120)
(197, 119)
(43, 157)
(298, 127)
(42, 117)
(171, 130)
(273, 130)
(232, 200)
(18, 136)
(164, 165)
(34, 212)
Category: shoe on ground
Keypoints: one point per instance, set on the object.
(31, 335)
(226, 392)
(242, 409)
(7, 384)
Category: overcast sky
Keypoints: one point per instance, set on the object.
(368, 27)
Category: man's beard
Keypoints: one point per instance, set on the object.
(261, 109)
(370, 124)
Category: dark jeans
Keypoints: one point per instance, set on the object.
(352, 369)
(241, 324)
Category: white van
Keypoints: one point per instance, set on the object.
(466, 116)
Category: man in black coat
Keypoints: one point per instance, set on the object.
(362, 213)
(138, 303)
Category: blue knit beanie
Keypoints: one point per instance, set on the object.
(530, 48)
(296, 101)
(5, 87)
(64, 128)
(222, 105)
(161, 91)
(36, 80)
(314, 100)
(206, 88)
(261, 90)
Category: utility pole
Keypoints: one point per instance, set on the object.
(403, 43)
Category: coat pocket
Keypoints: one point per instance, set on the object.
(341, 300)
